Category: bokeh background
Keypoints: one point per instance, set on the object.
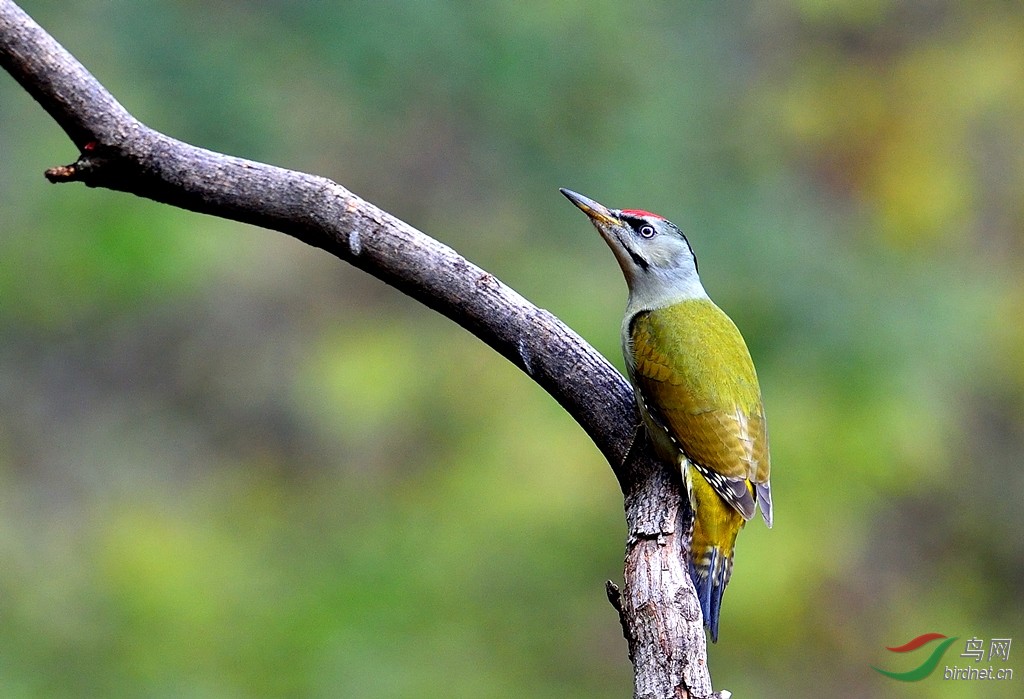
(233, 466)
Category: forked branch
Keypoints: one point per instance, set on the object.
(658, 608)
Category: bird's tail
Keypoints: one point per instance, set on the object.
(715, 527)
(710, 570)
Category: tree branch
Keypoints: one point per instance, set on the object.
(658, 607)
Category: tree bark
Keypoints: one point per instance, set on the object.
(658, 607)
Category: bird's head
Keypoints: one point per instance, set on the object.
(655, 256)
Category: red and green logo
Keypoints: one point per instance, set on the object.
(928, 666)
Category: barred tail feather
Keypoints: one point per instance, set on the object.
(710, 571)
(764, 501)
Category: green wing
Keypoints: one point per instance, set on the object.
(693, 371)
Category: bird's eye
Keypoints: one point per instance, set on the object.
(647, 230)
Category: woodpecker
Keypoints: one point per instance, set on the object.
(695, 386)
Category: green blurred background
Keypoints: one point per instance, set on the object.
(233, 466)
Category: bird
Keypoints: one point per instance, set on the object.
(695, 387)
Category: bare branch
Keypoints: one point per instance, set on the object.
(658, 607)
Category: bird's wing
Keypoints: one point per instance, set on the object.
(694, 373)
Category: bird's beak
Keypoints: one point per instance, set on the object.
(598, 213)
(611, 227)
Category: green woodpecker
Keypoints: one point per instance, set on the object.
(695, 387)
